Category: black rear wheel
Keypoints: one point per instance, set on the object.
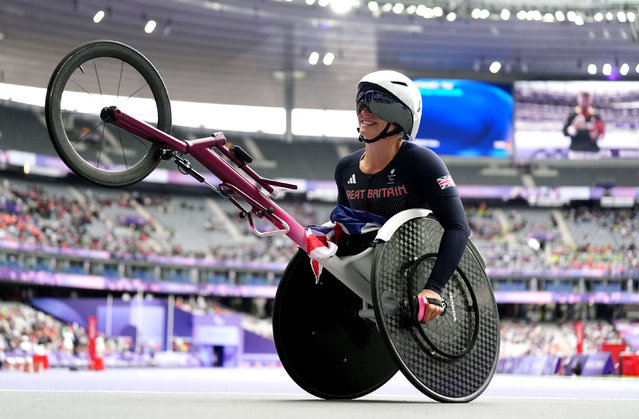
(326, 348)
(454, 357)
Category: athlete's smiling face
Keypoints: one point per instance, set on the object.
(370, 126)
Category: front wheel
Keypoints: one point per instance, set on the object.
(92, 76)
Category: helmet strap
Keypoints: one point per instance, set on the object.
(383, 134)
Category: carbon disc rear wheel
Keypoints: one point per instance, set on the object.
(326, 348)
(454, 357)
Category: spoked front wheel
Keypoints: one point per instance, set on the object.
(92, 76)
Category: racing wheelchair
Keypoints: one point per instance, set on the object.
(339, 337)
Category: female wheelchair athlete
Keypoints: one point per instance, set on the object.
(340, 337)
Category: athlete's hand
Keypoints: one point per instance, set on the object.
(579, 122)
(432, 311)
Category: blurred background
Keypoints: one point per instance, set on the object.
(164, 273)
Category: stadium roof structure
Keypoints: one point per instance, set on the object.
(260, 52)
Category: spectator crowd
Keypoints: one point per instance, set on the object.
(29, 214)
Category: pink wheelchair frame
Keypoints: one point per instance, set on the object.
(232, 182)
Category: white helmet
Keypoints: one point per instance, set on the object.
(393, 97)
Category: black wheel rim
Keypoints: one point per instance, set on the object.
(455, 332)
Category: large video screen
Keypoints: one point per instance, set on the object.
(576, 120)
(466, 118)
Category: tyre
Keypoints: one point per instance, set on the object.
(324, 346)
(92, 76)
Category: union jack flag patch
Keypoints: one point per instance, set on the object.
(445, 182)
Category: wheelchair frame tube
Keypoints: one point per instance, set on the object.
(202, 151)
(347, 270)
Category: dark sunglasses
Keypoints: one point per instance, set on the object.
(384, 106)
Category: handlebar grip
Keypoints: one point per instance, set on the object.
(241, 155)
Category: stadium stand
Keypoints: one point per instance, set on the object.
(122, 230)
